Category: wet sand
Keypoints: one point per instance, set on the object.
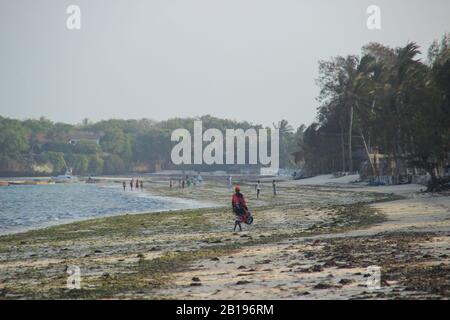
(309, 242)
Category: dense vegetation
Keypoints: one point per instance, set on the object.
(43, 147)
(386, 101)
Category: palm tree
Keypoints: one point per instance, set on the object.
(285, 134)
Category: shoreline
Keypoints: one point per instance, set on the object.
(193, 204)
(68, 222)
(297, 249)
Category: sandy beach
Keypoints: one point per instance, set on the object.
(312, 241)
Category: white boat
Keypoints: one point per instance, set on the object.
(65, 178)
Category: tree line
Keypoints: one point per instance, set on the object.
(39, 146)
(387, 102)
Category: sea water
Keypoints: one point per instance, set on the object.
(27, 207)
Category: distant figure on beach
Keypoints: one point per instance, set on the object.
(230, 182)
(182, 184)
(137, 184)
(124, 185)
(131, 184)
(170, 184)
(274, 187)
(240, 209)
(258, 189)
(141, 184)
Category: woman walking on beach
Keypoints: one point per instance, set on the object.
(239, 207)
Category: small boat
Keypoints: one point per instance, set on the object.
(30, 182)
(91, 180)
(16, 183)
(65, 178)
(41, 182)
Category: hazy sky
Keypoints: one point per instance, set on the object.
(252, 60)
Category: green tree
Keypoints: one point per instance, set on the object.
(152, 145)
(57, 161)
(13, 138)
(78, 162)
(286, 133)
(113, 164)
(115, 141)
(96, 164)
(86, 147)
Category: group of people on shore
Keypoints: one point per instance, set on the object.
(135, 184)
(238, 202)
(187, 182)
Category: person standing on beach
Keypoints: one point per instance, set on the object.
(230, 182)
(142, 185)
(239, 207)
(131, 184)
(274, 187)
(124, 185)
(258, 189)
(182, 184)
(137, 184)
